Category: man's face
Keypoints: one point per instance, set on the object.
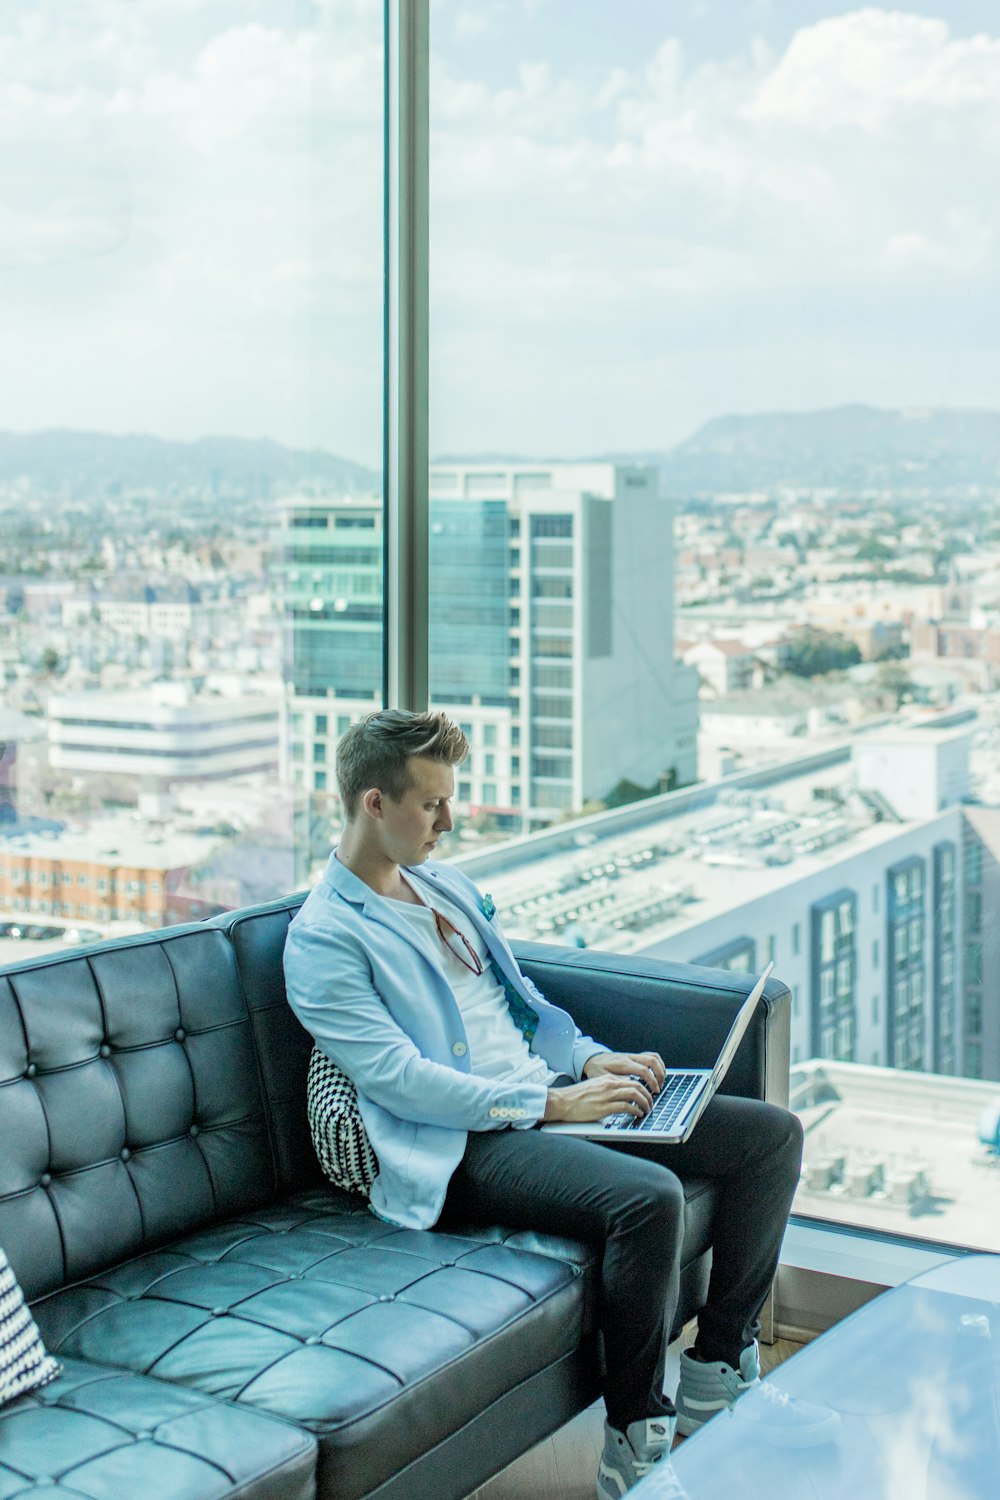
(410, 828)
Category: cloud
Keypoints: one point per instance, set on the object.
(825, 211)
(192, 213)
(617, 243)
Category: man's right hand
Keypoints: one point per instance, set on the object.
(606, 1094)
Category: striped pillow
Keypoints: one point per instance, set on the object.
(24, 1364)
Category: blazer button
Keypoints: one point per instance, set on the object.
(494, 1114)
(460, 1049)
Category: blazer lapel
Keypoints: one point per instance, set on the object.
(378, 909)
(431, 882)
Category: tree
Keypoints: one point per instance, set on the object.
(815, 652)
(872, 550)
(51, 661)
(628, 791)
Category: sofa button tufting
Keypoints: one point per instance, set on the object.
(387, 1297)
(31, 1070)
(125, 1153)
(45, 1179)
(180, 1034)
(219, 1312)
(142, 1437)
(104, 1050)
(194, 1130)
(313, 1339)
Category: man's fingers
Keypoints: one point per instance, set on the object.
(656, 1066)
(635, 1096)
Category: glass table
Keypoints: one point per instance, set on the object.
(915, 1379)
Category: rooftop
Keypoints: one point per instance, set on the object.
(627, 880)
(898, 1151)
(118, 842)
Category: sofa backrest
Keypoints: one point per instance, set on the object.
(132, 1105)
(283, 1045)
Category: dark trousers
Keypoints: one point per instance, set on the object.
(626, 1200)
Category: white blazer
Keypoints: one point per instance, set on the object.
(372, 991)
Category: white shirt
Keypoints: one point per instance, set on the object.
(497, 1049)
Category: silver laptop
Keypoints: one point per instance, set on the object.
(679, 1105)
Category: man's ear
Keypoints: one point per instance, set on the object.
(371, 802)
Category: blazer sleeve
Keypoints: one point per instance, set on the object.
(329, 985)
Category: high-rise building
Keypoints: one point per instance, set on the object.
(551, 634)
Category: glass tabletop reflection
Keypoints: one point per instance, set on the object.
(914, 1377)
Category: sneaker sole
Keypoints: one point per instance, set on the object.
(687, 1425)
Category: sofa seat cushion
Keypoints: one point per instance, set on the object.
(381, 1341)
(98, 1434)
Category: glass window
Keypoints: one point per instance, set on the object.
(974, 963)
(973, 863)
(761, 305)
(202, 234)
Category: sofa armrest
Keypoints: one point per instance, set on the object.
(680, 1010)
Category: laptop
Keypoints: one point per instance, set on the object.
(679, 1105)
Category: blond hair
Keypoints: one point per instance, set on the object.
(376, 751)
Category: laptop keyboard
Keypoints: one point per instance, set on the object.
(667, 1107)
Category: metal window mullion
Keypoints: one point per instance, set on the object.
(405, 442)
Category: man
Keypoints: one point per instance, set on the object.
(400, 971)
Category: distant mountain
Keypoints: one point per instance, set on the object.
(94, 465)
(859, 448)
(846, 447)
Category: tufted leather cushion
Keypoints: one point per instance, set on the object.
(131, 1105)
(381, 1341)
(283, 1044)
(99, 1435)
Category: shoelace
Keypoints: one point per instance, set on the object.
(643, 1466)
(771, 1393)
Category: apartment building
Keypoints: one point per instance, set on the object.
(862, 871)
(110, 872)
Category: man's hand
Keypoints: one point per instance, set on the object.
(606, 1094)
(646, 1066)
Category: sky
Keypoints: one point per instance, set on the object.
(644, 215)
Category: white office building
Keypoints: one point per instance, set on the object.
(551, 625)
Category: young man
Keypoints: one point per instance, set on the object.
(401, 973)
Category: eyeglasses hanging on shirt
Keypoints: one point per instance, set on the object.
(457, 943)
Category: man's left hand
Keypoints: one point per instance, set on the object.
(646, 1066)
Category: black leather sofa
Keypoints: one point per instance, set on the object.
(229, 1323)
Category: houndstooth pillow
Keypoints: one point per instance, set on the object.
(24, 1364)
(338, 1131)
